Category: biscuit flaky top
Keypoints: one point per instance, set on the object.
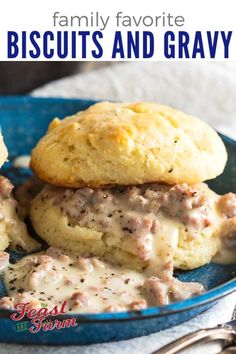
(128, 143)
(3, 151)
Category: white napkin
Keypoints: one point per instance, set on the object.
(204, 89)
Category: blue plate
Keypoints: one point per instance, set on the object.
(24, 120)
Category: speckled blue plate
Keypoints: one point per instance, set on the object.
(24, 120)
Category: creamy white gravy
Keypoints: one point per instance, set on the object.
(89, 285)
(146, 219)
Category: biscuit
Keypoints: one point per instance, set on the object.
(13, 231)
(125, 144)
(54, 226)
(3, 151)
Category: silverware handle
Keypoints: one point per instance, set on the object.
(226, 334)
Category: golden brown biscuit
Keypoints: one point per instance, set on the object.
(125, 144)
(13, 231)
(190, 240)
